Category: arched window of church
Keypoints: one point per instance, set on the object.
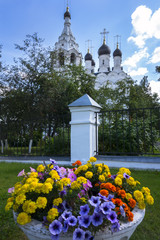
(73, 58)
(103, 62)
(61, 58)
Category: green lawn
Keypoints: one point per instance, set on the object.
(148, 229)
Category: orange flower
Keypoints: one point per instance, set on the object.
(104, 192)
(130, 216)
(77, 163)
(96, 184)
(103, 185)
(122, 193)
(118, 202)
(132, 203)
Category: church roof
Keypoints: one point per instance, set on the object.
(88, 57)
(117, 53)
(67, 14)
(104, 49)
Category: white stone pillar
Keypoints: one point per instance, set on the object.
(83, 128)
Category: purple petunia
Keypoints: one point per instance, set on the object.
(115, 227)
(72, 221)
(84, 221)
(112, 217)
(55, 237)
(66, 215)
(72, 176)
(88, 235)
(22, 173)
(125, 175)
(110, 196)
(84, 210)
(55, 227)
(53, 161)
(95, 201)
(122, 211)
(78, 234)
(65, 226)
(113, 176)
(96, 219)
(66, 206)
(105, 208)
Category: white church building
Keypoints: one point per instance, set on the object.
(68, 52)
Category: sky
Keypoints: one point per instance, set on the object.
(137, 22)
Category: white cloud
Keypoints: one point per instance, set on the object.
(145, 25)
(155, 87)
(136, 57)
(139, 72)
(155, 56)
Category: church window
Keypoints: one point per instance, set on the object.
(103, 62)
(73, 58)
(61, 58)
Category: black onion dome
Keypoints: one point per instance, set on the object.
(67, 14)
(88, 57)
(104, 49)
(117, 53)
(93, 63)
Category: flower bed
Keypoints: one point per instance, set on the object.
(80, 201)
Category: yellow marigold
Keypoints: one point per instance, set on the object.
(106, 168)
(75, 185)
(146, 190)
(41, 202)
(131, 181)
(84, 168)
(15, 207)
(120, 175)
(118, 181)
(81, 180)
(99, 170)
(8, 206)
(29, 206)
(47, 187)
(101, 178)
(54, 175)
(89, 165)
(39, 187)
(99, 165)
(52, 214)
(93, 159)
(33, 175)
(25, 188)
(17, 188)
(128, 196)
(32, 179)
(23, 218)
(138, 195)
(57, 201)
(78, 170)
(49, 180)
(149, 199)
(125, 170)
(32, 186)
(89, 174)
(11, 199)
(65, 181)
(83, 199)
(40, 168)
(20, 199)
(141, 205)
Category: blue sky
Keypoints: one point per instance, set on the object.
(136, 21)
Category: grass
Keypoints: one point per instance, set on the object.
(148, 229)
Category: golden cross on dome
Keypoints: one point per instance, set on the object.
(118, 37)
(88, 41)
(104, 35)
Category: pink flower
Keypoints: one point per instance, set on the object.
(11, 190)
(72, 176)
(22, 173)
(32, 169)
(87, 185)
(63, 171)
(82, 193)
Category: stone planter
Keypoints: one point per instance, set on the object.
(35, 231)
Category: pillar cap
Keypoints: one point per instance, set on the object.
(83, 101)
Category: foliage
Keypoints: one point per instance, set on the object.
(100, 199)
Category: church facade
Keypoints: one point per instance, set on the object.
(68, 52)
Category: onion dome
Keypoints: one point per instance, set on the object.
(67, 13)
(88, 57)
(117, 53)
(93, 63)
(104, 49)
